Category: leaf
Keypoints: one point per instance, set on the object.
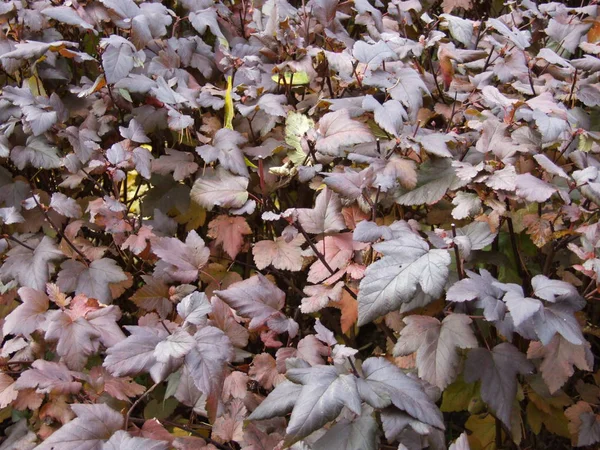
(436, 345)
(281, 254)
(30, 315)
(66, 15)
(497, 369)
(65, 206)
(229, 232)
(94, 424)
(77, 338)
(153, 296)
(351, 434)
(434, 180)
(49, 377)
(385, 384)
(337, 130)
(325, 217)
(408, 266)
(372, 55)
(559, 358)
(135, 354)
(225, 149)
(220, 188)
(494, 139)
(462, 443)
(388, 116)
(93, 280)
(279, 402)
(466, 205)
(554, 290)
(194, 308)
(533, 189)
(8, 393)
(261, 301)
(324, 393)
(182, 261)
(206, 361)
(584, 425)
(121, 440)
(117, 58)
(38, 153)
(181, 164)
(31, 268)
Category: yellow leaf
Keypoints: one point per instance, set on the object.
(483, 428)
(295, 79)
(193, 218)
(229, 113)
(458, 395)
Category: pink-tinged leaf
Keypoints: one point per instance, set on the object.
(220, 188)
(121, 388)
(77, 338)
(194, 308)
(173, 349)
(324, 334)
(281, 254)
(533, 189)
(206, 363)
(37, 152)
(235, 386)
(30, 268)
(311, 350)
(319, 297)
(584, 425)
(182, 260)
(93, 280)
(261, 301)
(462, 443)
(264, 370)
(229, 427)
(338, 250)
(93, 425)
(559, 359)
(138, 242)
(497, 369)
(229, 232)
(153, 296)
(136, 354)
(222, 318)
(30, 315)
(181, 164)
(48, 377)
(65, 206)
(256, 439)
(350, 184)
(337, 130)
(325, 217)
(8, 392)
(225, 149)
(121, 440)
(436, 345)
(494, 139)
(105, 321)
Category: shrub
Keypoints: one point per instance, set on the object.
(316, 224)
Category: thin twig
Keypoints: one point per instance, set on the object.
(137, 402)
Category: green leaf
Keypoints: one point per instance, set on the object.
(293, 78)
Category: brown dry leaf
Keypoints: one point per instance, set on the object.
(349, 308)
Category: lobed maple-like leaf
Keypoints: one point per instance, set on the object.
(30, 315)
(385, 384)
(325, 217)
(261, 301)
(436, 345)
(559, 358)
(338, 130)
(49, 377)
(324, 393)
(497, 369)
(181, 260)
(281, 254)
(92, 280)
(408, 265)
(362, 432)
(31, 267)
(220, 188)
(229, 232)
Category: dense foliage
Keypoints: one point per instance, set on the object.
(314, 224)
